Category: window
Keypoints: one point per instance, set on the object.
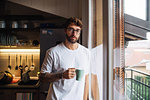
(136, 8)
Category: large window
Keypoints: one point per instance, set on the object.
(137, 53)
(136, 8)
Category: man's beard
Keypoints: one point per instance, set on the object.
(71, 40)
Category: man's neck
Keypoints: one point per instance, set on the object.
(71, 46)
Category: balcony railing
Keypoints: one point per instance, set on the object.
(137, 85)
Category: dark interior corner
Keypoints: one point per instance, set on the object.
(15, 12)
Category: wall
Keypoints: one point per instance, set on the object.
(85, 22)
(64, 8)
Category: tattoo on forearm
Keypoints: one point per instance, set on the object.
(50, 77)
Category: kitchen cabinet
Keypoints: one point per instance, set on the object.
(19, 33)
(19, 92)
(21, 45)
(5, 94)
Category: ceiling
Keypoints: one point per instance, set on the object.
(13, 11)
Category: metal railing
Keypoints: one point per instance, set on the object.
(137, 85)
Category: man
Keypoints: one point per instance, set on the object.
(61, 62)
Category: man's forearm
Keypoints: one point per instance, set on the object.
(50, 77)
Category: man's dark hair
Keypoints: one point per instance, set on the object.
(73, 20)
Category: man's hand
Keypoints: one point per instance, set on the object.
(70, 73)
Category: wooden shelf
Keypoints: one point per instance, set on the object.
(19, 29)
(19, 47)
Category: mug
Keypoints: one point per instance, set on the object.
(79, 74)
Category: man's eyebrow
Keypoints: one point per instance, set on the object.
(73, 28)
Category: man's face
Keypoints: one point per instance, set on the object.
(73, 33)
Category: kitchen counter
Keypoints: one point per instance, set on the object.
(16, 86)
(34, 83)
(14, 91)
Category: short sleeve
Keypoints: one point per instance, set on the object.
(48, 62)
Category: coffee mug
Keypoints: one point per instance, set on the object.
(79, 74)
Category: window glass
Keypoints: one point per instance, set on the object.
(135, 8)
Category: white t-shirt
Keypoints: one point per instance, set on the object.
(59, 59)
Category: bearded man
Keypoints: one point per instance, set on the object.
(62, 61)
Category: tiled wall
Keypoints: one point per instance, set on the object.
(4, 62)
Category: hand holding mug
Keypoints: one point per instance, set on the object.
(70, 73)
